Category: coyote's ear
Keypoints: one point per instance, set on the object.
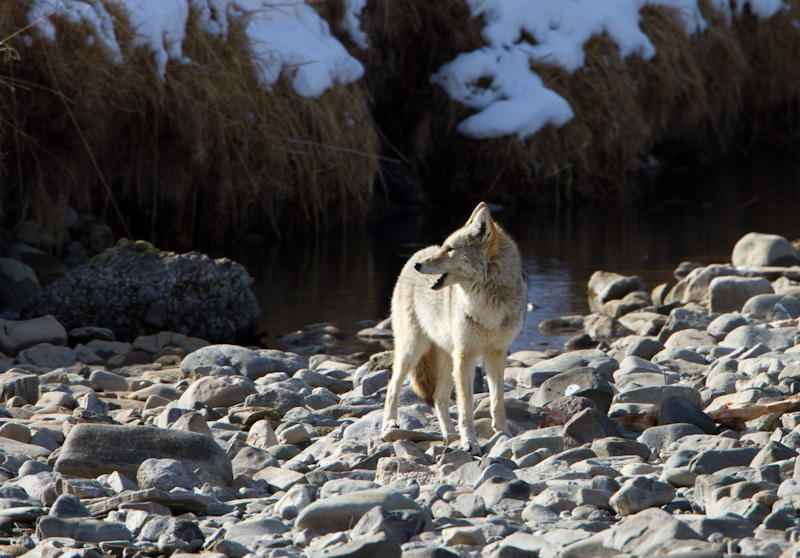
(480, 224)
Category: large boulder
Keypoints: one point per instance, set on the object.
(729, 293)
(135, 289)
(758, 249)
(18, 283)
(17, 335)
(91, 450)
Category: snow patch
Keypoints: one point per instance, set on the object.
(287, 37)
(510, 98)
(351, 22)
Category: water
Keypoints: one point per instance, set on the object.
(691, 216)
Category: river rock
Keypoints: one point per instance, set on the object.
(639, 493)
(759, 249)
(22, 334)
(605, 286)
(95, 449)
(677, 409)
(724, 324)
(206, 361)
(682, 318)
(748, 336)
(772, 307)
(275, 397)
(82, 529)
(15, 382)
(135, 289)
(166, 474)
(587, 426)
(590, 383)
(659, 438)
(378, 520)
(47, 356)
(18, 284)
(729, 294)
(647, 533)
(68, 505)
(250, 531)
(339, 513)
(365, 547)
(218, 391)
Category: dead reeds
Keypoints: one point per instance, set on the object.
(206, 155)
(707, 95)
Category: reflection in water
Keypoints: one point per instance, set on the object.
(344, 279)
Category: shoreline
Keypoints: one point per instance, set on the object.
(684, 429)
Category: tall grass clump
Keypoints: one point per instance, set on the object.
(205, 155)
(705, 95)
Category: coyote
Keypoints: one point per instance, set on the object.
(451, 305)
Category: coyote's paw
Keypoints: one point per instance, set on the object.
(470, 446)
(388, 426)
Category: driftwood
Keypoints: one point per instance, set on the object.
(734, 415)
(731, 415)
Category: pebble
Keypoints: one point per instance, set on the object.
(224, 451)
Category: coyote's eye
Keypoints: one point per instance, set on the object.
(448, 249)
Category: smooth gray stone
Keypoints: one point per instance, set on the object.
(749, 336)
(375, 546)
(68, 505)
(724, 324)
(591, 384)
(643, 534)
(18, 335)
(772, 307)
(396, 527)
(771, 452)
(396, 434)
(708, 462)
(275, 397)
(729, 294)
(760, 249)
(680, 319)
(250, 531)
(183, 531)
(659, 438)
(166, 474)
(82, 529)
(339, 513)
(494, 489)
(639, 493)
(587, 426)
(91, 450)
(19, 382)
(677, 409)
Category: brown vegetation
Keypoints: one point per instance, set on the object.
(716, 92)
(206, 154)
(209, 154)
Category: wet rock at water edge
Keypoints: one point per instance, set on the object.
(135, 289)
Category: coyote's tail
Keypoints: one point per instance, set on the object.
(423, 377)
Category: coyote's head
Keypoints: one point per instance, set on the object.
(466, 254)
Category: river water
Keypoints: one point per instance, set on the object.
(680, 216)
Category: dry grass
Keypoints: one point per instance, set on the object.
(204, 156)
(714, 93)
(209, 155)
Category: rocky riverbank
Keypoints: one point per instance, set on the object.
(672, 428)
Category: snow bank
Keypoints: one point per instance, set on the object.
(497, 80)
(287, 37)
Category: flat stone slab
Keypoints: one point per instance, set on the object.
(91, 450)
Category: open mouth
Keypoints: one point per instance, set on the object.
(439, 282)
